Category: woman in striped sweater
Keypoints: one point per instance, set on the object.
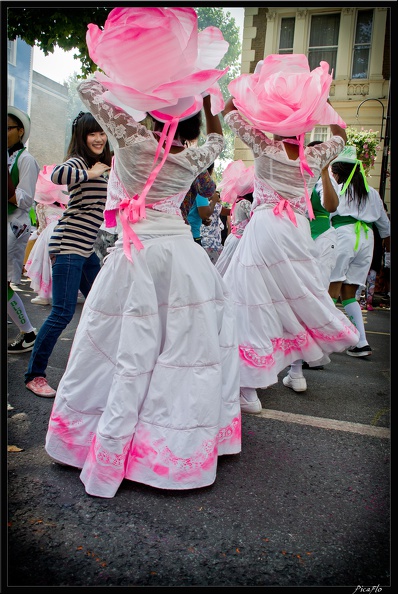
(75, 264)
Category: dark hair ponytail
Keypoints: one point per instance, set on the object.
(356, 189)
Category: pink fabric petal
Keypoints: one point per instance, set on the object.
(284, 97)
(212, 48)
(46, 191)
(132, 97)
(196, 82)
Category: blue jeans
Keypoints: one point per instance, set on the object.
(69, 274)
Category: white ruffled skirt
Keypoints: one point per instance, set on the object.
(38, 264)
(230, 245)
(151, 389)
(283, 311)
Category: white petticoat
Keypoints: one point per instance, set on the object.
(284, 313)
(151, 389)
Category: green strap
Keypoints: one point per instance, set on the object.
(359, 162)
(14, 172)
(358, 226)
(339, 221)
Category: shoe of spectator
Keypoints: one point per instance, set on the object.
(23, 343)
(298, 384)
(40, 387)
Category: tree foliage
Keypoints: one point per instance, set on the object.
(56, 26)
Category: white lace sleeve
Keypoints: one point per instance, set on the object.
(122, 129)
(254, 138)
(203, 156)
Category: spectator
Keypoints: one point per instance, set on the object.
(23, 171)
(74, 263)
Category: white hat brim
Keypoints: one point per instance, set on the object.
(21, 115)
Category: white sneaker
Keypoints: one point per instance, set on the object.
(250, 407)
(298, 384)
(40, 301)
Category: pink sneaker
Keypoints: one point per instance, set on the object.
(369, 307)
(40, 387)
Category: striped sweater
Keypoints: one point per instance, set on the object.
(77, 229)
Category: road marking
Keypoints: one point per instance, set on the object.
(278, 415)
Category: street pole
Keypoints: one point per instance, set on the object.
(386, 149)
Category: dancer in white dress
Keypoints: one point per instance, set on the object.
(151, 389)
(284, 313)
(51, 200)
(236, 187)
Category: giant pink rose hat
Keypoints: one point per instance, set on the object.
(155, 60)
(284, 97)
(46, 191)
(237, 180)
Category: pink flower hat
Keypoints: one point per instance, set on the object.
(284, 97)
(155, 60)
(237, 180)
(46, 191)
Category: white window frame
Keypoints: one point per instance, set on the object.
(12, 52)
(10, 90)
(357, 46)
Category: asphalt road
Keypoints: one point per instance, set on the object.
(306, 504)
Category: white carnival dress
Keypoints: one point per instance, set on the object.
(151, 388)
(240, 216)
(284, 313)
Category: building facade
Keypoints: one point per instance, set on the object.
(355, 41)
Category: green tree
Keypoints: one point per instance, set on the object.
(64, 27)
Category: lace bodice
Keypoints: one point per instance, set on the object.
(274, 170)
(135, 147)
(240, 216)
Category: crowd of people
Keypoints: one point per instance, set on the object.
(180, 329)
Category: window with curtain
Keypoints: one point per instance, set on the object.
(324, 38)
(287, 35)
(363, 37)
